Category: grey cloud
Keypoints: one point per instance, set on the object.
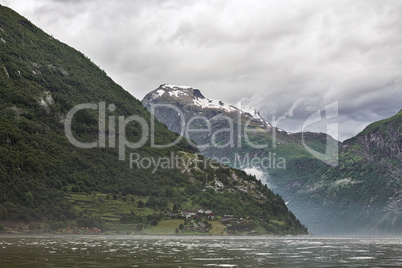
(285, 58)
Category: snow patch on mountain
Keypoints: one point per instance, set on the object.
(254, 113)
(160, 92)
(213, 104)
(177, 91)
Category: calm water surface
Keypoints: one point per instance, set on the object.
(177, 251)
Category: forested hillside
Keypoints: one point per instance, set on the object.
(42, 173)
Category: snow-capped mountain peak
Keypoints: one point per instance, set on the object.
(193, 96)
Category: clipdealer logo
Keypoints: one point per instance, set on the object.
(112, 134)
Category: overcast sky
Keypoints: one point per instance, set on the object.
(285, 58)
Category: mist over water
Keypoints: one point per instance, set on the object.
(196, 251)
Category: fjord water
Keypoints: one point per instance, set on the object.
(187, 251)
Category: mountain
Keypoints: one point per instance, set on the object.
(240, 137)
(355, 190)
(76, 149)
(363, 194)
(226, 131)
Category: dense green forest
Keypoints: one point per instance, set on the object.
(42, 173)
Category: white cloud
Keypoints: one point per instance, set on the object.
(259, 174)
(344, 182)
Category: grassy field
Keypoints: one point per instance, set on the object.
(218, 228)
(260, 230)
(100, 205)
(165, 227)
(109, 210)
(278, 222)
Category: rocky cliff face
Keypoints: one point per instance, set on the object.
(366, 187)
(380, 141)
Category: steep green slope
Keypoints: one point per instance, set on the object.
(41, 171)
(363, 194)
(41, 79)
